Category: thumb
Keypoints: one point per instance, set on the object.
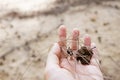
(53, 57)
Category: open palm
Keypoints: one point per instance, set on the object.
(59, 67)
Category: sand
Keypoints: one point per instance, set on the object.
(28, 29)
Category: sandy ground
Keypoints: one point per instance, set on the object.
(29, 28)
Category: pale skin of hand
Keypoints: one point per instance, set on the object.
(59, 68)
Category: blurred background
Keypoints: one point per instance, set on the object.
(28, 28)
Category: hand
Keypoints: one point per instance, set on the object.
(60, 68)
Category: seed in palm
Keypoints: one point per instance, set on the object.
(84, 55)
(69, 51)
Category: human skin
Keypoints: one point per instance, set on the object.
(58, 67)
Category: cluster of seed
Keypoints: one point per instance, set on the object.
(82, 55)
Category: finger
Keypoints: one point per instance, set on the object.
(62, 35)
(87, 40)
(75, 39)
(53, 57)
(94, 50)
(95, 58)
